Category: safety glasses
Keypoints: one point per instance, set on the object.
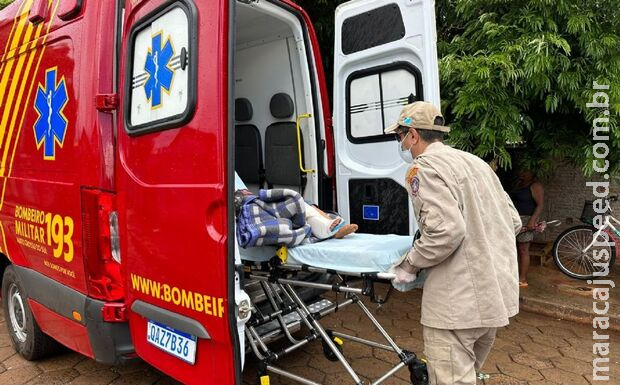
(401, 135)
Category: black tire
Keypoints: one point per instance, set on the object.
(418, 372)
(26, 336)
(327, 351)
(569, 256)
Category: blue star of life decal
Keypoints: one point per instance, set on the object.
(157, 67)
(51, 126)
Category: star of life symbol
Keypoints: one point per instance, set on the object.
(51, 126)
(157, 66)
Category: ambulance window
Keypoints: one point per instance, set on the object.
(373, 28)
(161, 85)
(375, 98)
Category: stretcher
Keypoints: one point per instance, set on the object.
(352, 266)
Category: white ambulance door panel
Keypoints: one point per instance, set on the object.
(384, 57)
(160, 77)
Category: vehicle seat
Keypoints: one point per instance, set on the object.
(281, 150)
(248, 148)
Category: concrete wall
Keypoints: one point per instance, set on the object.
(565, 193)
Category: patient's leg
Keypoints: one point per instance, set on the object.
(344, 230)
(323, 226)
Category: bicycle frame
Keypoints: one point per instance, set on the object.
(614, 235)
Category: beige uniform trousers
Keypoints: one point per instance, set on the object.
(455, 356)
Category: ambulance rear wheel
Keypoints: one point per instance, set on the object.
(26, 336)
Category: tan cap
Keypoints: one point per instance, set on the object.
(418, 115)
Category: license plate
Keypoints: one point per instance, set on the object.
(171, 341)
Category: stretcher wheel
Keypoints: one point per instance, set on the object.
(327, 351)
(418, 372)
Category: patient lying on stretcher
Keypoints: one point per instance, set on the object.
(284, 218)
(321, 224)
(281, 216)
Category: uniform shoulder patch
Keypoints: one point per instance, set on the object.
(411, 173)
(415, 186)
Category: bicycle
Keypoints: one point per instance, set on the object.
(577, 249)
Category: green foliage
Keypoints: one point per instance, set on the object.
(4, 3)
(521, 71)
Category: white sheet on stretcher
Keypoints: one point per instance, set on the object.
(356, 253)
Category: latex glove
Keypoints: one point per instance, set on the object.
(402, 276)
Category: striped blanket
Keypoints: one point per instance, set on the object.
(274, 217)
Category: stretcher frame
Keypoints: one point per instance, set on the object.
(277, 280)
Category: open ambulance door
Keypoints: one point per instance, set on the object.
(384, 57)
(173, 188)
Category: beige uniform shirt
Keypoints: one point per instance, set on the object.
(467, 244)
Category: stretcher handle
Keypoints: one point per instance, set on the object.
(312, 269)
(298, 126)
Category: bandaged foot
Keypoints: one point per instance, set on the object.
(325, 226)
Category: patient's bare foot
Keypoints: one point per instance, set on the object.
(345, 230)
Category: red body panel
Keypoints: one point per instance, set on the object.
(173, 213)
(86, 156)
(35, 186)
(67, 332)
(171, 185)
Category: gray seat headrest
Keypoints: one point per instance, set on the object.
(243, 110)
(281, 106)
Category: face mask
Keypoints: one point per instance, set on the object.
(405, 154)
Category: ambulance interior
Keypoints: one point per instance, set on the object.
(272, 87)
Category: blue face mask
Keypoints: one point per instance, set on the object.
(405, 154)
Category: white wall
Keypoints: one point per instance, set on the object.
(262, 71)
(265, 68)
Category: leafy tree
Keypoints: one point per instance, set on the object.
(518, 73)
(4, 3)
(522, 70)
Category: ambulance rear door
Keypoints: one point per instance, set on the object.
(173, 189)
(384, 57)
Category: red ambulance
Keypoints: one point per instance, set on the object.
(121, 125)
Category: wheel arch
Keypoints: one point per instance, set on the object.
(4, 263)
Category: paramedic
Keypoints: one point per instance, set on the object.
(468, 226)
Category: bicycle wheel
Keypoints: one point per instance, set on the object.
(569, 255)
